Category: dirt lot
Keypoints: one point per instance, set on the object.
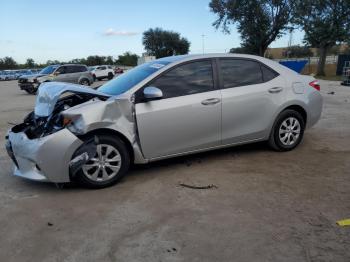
(268, 206)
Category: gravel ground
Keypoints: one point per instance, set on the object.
(267, 206)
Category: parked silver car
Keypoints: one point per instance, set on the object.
(70, 73)
(165, 108)
(7, 75)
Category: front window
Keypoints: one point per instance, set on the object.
(187, 79)
(128, 80)
(48, 70)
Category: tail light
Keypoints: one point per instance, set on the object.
(315, 85)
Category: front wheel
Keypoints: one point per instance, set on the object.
(31, 90)
(288, 131)
(110, 163)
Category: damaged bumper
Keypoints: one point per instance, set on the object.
(27, 86)
(43, 159)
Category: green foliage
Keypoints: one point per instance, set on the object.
(127, 59)
(242, 50)
(325, 23)
(259, 22)
(297, 52)
(162, 43)
(8, 63)
(30, 63)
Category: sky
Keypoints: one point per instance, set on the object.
(67, 29)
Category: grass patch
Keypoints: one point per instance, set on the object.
(330, 78)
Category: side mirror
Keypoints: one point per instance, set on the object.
(152, 93)
(56, 73)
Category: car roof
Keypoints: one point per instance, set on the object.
(171, 60)
(73, 65)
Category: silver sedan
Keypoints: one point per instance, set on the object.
(169, 107)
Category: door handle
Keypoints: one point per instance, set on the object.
(210, 101)
(275, 90)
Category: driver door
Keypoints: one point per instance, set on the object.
(188, 116)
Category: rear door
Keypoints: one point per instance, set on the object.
(101, 71)
(251, 94)
(187, 118)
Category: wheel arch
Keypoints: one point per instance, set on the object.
(113, 133)
(298, 109)
(293, 106)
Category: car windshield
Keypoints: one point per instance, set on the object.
(128, 80)
(48, 70)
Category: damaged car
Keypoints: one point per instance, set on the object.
(165, 108)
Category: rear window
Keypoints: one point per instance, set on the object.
(76, 69)
(268, 73)
(240, 72)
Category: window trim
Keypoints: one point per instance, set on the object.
(215, 75)
(220, 75)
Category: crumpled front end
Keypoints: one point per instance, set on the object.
(42, 147)
(44, 158)
(57, 138)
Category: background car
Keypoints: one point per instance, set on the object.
(7, 75)
(70, 73)
(102, 72)
(29, 82)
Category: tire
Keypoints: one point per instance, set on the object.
(110, 76)
(287, 131)
(85, 176)
(94, 76)
(31, 91)
(84, 82)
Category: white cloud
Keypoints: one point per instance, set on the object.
(111, 32)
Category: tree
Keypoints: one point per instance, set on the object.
(53, 62)
(241, 50)
(8, 63)
(161, 43)
(325, 23)
(297, 51)
(78, 61)
(30, 63)
(127, 59)
(259, 22)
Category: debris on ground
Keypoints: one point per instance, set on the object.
(331, 93)
(344, 222)
(198, 187)
(189, 162)
(49, 224)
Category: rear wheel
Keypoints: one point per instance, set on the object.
(287, 131)
(110, 163)
(84, 82)
(110, 76)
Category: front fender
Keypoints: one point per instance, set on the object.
(113, 114)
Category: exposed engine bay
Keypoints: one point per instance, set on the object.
(54, 98)
(38, 126)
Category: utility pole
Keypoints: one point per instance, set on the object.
(203, 43)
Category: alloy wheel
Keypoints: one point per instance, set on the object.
(289, 131)
(104, 165)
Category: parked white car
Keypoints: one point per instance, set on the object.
(102, 71)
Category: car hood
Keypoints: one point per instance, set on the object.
(31, 76)
(49, 93)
